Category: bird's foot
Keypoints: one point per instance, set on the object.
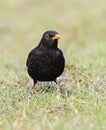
(31, 92)
(61, 89)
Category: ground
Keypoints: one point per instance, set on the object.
(82, 26)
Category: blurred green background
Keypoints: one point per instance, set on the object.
(82, 26)
(80, 23)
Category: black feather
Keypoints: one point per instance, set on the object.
(46, 62)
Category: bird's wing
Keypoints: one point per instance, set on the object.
(28, 58)
(30, 54)
(35, 54)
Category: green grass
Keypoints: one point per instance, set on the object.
(82, 25)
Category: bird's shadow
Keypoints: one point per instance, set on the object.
(48, 89)
(42, 89)
(45, 88)
(51, 87)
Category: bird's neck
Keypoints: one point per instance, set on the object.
(49, 45)
(55, 43)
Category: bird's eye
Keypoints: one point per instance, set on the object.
(47, 36)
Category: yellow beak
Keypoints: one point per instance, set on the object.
(57, 36)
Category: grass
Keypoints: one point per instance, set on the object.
(83, 41)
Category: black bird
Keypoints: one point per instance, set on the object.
(46, 61)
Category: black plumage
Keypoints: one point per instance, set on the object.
(46, 61)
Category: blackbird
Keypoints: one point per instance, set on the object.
(46, 61)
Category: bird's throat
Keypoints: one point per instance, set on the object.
(49, 44)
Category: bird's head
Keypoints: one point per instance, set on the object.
(50, 39)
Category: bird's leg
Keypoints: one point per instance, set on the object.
(31, 89)
(60, 88)
(34, 82)
(55, 81)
